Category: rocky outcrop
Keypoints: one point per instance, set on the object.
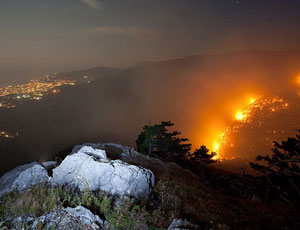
(86, 216)
(89, 168)
(179, 224)
(124, 151)
(76, 148)
(91, 151)
(78, 218)
(23, 177)
(49, 165)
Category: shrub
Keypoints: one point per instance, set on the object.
(128, 216)
(40, 200)
(34, 202)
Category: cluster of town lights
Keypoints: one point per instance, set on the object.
(33, 90)
(4, 134)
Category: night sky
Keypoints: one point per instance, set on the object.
(39, 37)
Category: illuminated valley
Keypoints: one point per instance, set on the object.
(11, 95)
(4, 134)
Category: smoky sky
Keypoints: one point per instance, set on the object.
(40, 37)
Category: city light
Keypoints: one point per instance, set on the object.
(12, 95)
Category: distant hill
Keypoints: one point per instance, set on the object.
(96, 73)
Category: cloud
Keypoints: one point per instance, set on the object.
(93, 3)
(138, 33)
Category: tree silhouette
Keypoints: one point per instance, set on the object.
(156, 138)
(202, 155)
(282, 169)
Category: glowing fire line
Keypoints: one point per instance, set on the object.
(243, 116)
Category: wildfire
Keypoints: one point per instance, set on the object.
(215, 157)
(216, 147)
(245, 115)
(240, 115)
(252, 100)
(298, 80)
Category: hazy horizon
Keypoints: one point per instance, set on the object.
(39, 38)
(20, 78)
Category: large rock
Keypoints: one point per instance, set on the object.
(23, 177)
(48, 165)
(124, 151)
(76, 148)
(86, 216)
(89, 168)
(179, 224)
(78, 218)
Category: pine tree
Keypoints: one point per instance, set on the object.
(202, 155)
(282, 169)
(157, 138)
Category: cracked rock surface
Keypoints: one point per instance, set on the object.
(179, 224)
(23, 177)
(89, 168)
(78, 218)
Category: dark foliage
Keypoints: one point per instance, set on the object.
(157, 139)
(282, 170)
(202, 155)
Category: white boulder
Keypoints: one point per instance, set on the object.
(78, 218)
(48, 165)
(86, 216)
(89, 150)
(124, 151)
(89, 168)
(23, 177)
(179, 224)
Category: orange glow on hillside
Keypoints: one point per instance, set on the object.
(244, 109)
(234, 111)
(240, 115)
(216, 147)
(298, 80)
(252, 100)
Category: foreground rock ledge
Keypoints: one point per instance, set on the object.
(23, 177)
(90, 169)
(78, 218)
